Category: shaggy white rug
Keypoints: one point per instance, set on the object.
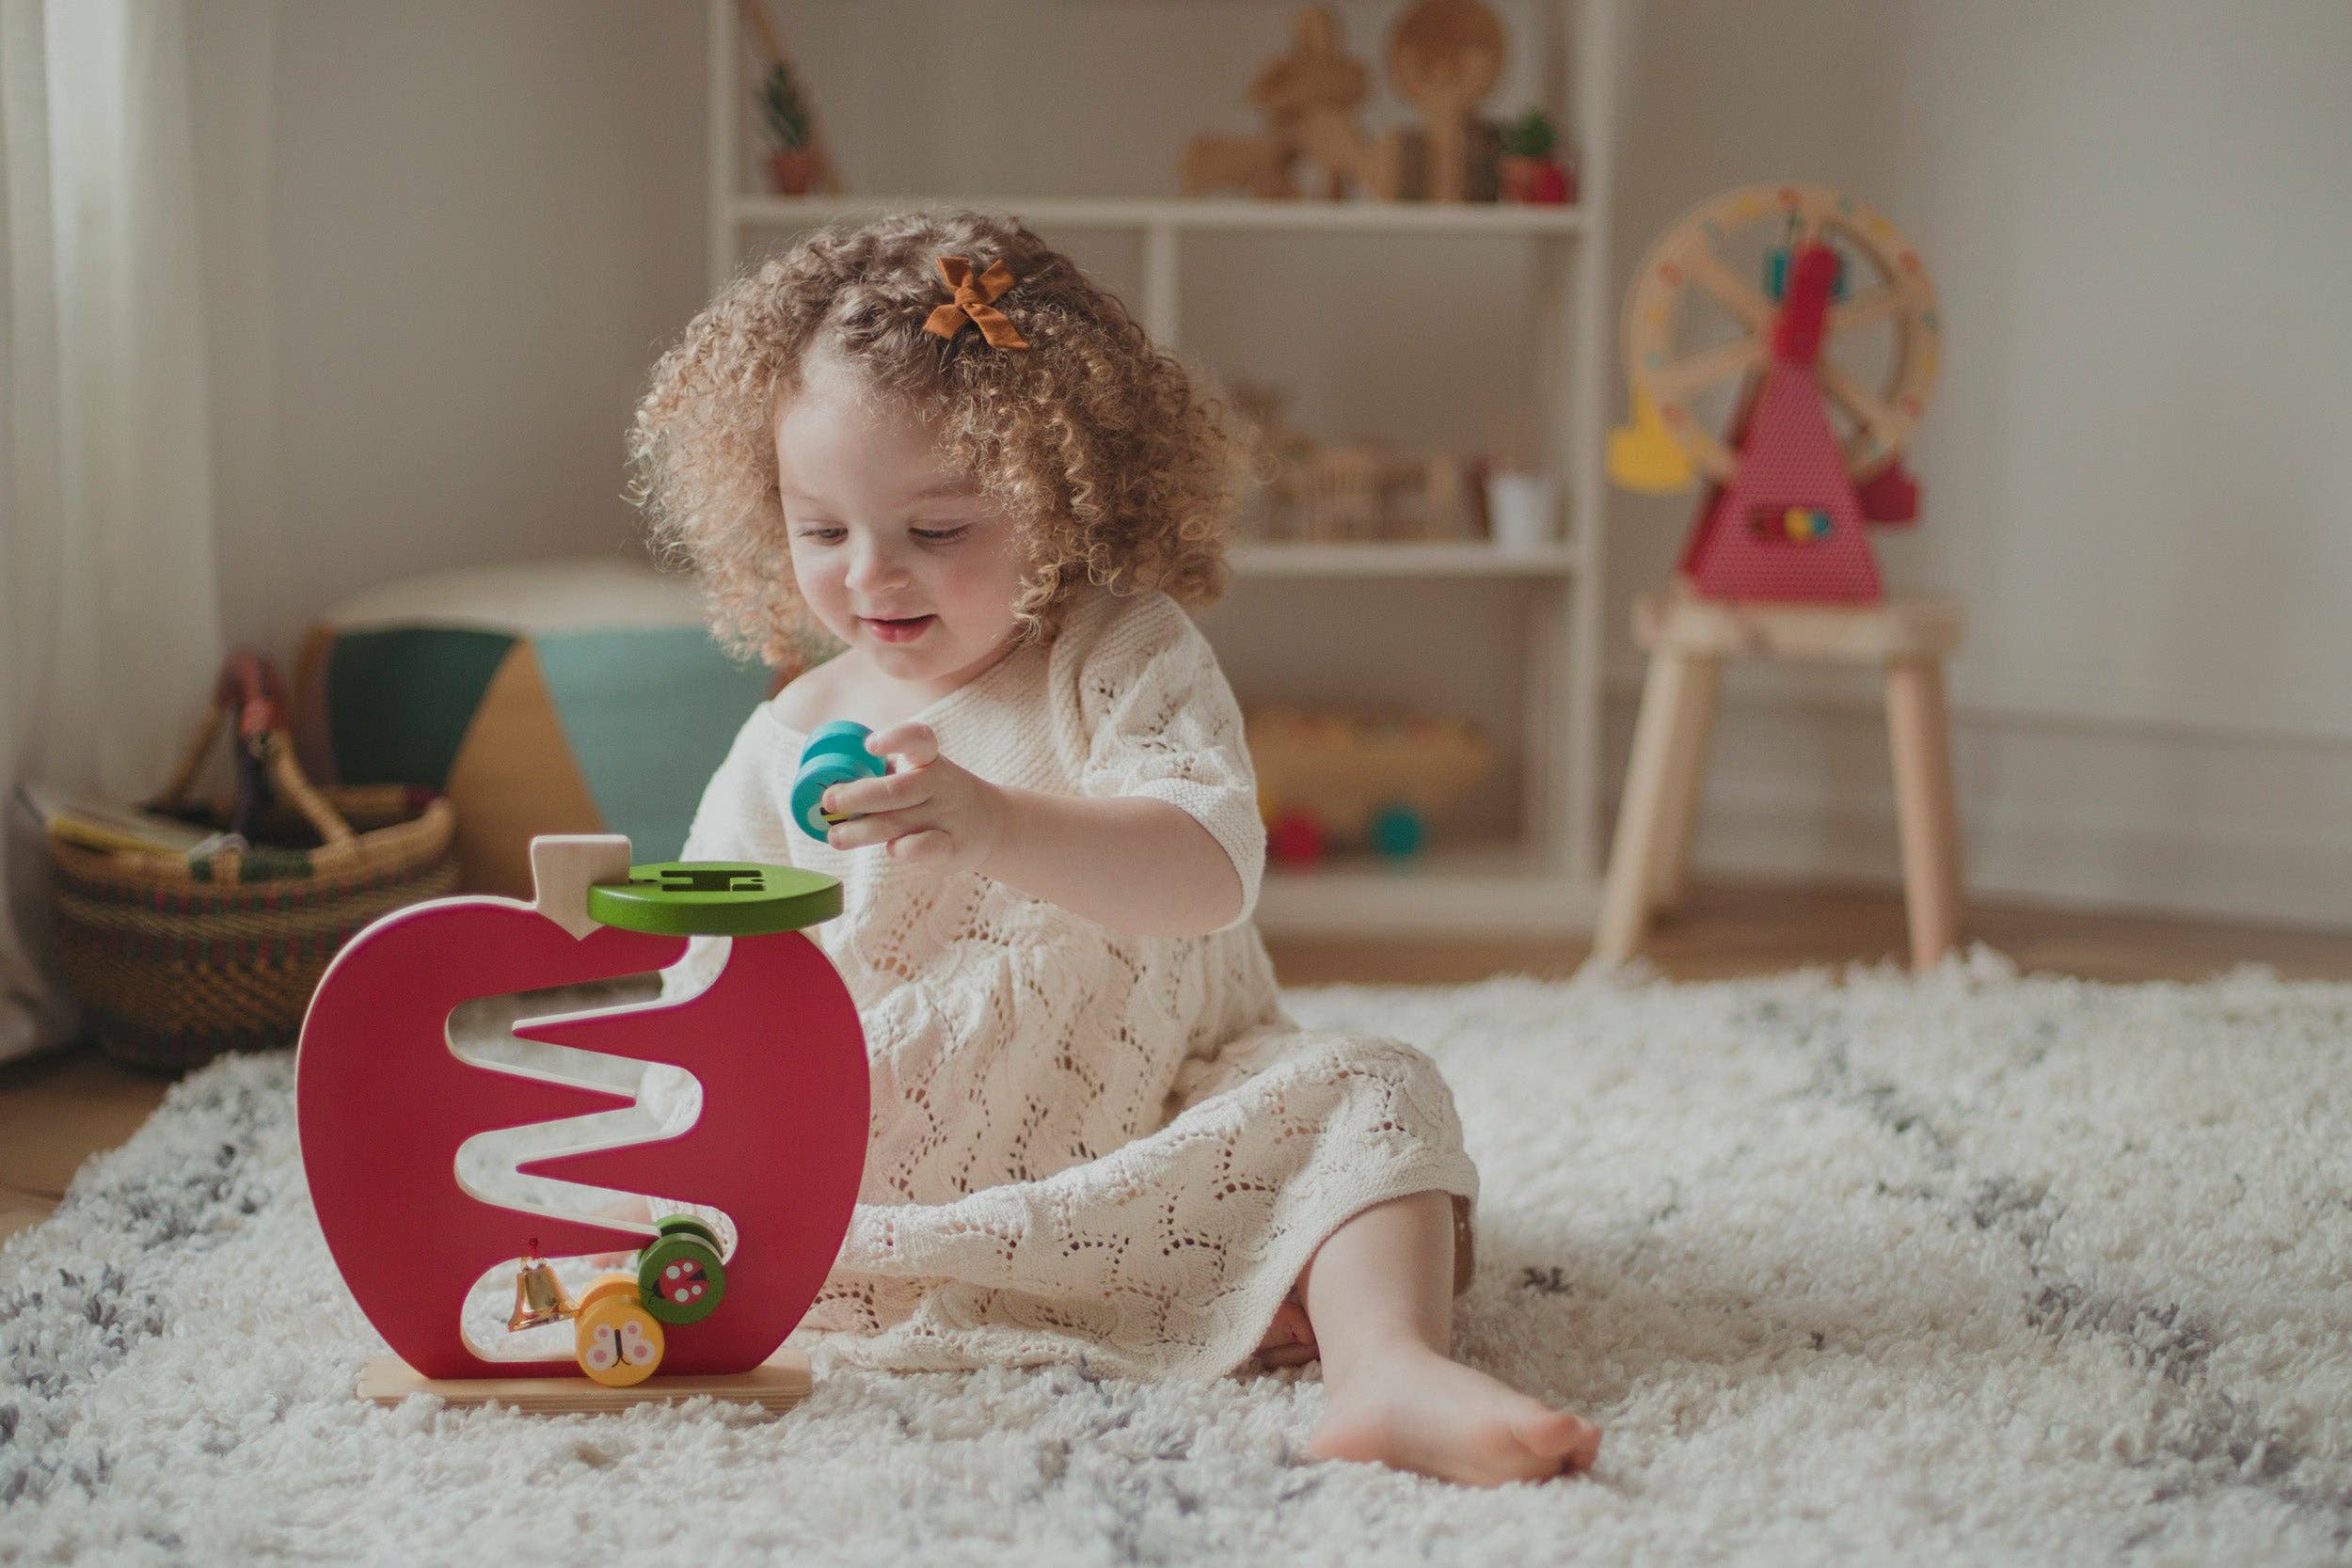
(1849, 1269)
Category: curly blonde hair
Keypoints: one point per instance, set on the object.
(1117, 472)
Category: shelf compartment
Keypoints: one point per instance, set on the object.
(1475, 889)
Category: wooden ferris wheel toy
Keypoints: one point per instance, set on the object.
(1776, 564)
(1787, 491)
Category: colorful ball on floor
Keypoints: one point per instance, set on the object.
(1398, 831)
(1295, 838)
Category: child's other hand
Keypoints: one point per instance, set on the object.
(927, 811)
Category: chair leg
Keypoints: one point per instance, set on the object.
(1919, 731)
(1684, 766)
(1641, 815)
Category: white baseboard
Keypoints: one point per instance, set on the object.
(2173, 821)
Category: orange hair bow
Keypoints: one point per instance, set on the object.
(972, 303)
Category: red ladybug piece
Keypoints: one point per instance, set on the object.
(682, 1281)
(680, 1277)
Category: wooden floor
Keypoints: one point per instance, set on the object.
(57, 1112)
(1727, 932)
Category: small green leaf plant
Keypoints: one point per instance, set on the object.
(783, 109)
(1529, 137)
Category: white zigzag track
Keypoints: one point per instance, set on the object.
(483, 1033)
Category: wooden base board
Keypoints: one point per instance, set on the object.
(778, 1384)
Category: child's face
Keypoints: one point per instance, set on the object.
(892, 547)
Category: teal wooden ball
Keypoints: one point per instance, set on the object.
(1397, 831)
(834, 754)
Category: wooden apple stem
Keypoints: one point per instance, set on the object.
(564, 865)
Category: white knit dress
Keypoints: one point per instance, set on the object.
(1083, 1143)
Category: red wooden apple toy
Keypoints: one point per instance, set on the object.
(394, 1075)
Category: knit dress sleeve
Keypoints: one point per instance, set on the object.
(737, 811)
(1160, 721)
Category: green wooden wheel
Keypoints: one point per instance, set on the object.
(687, 1225)
(680, 1279)
(719, 899)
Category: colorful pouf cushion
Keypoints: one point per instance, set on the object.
(546, 697)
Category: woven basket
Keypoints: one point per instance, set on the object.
(179, 958)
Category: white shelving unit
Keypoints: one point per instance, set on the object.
(1547, 879)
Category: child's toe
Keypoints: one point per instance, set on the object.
(1556, 1435)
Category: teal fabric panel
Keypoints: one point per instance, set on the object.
(650, 713)
(398, 701)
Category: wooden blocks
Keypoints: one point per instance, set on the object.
(1689, 639)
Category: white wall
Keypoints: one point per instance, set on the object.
(2139, 463)
(484, 218)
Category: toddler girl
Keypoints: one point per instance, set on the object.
(1095, 1132)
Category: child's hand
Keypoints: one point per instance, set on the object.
(927, 811)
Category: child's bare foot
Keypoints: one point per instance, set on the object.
(1413, 1409)
(1289, 1339)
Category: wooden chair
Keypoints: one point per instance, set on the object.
(1689, 639)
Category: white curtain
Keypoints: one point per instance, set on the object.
(109, 588)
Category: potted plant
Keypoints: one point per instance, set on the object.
(1527, 170)
(794, 163)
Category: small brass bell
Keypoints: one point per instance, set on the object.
(539, 1296)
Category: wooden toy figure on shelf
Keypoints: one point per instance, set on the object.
(1309, 97)
(403, 1083)
(1314, 93)
(1444, 56)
